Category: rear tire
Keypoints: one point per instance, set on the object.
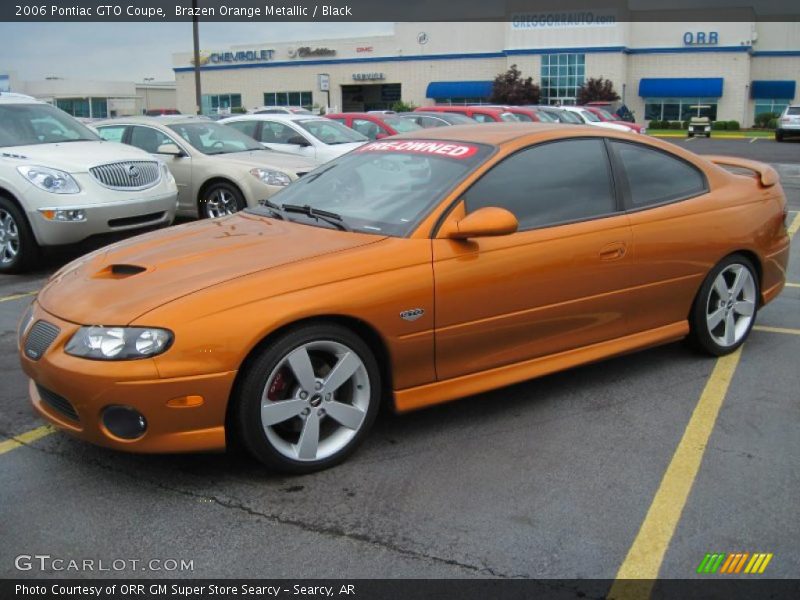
(778, 136)
(726, 306)
(18, 248)
(308, 399)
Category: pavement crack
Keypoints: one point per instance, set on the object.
(326, 530)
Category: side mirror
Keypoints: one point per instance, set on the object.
(171, 149)
(484, 222)
(298, 140)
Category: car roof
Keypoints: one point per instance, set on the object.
(362, 115)
(160, 120)
(493, 133)
(13, 98)
(275, 116)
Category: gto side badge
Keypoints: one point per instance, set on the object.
(412, 314)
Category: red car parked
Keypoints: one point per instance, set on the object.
(375, 126)
(608, 117)
(482, 114)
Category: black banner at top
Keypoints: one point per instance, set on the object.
(528, 13)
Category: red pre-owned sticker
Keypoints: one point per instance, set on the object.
(446, 149)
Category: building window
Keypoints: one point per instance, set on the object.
(214, 104)
(461, 101)
(304, 99)
(679, 109)
(562, 75)
(776, 106)
(84, 107)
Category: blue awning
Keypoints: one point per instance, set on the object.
(459, 89)
(772, 90)
(681, 87)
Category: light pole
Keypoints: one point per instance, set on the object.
(198, 97)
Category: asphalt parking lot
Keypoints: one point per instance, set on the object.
(575, 475)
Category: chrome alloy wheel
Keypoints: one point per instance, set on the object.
(731, 305)
(9, 237)
(315, 400)
(219, 203)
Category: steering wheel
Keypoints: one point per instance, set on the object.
(346, 191)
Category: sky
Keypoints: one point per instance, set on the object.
(135, 51)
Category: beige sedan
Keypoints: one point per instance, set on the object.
(218, 170)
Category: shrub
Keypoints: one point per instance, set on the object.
(675, 125)
(718, 125)
(401, 106)
(763, 119)
(733, 126)
(772, 123)
(238, 110)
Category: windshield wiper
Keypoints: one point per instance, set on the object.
(315, 213)
(273, 208)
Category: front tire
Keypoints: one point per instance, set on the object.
(725, 308)
(308, 400)
(221, 199)
(18, 248)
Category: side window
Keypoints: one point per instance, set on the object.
(276, 133)
(148, 139)
(655, 177)
(549, 183)
(428, 122)
(339, 120)
(112, 133)
(246, 127)
(366, 128)
(481, 118)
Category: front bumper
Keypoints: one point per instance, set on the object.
(146, 210)
(91, 386)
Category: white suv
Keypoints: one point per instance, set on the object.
(788, 123)
(60, 183)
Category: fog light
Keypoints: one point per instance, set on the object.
(124, 422)
(70, 215)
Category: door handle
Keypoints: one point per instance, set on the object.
(613, 251)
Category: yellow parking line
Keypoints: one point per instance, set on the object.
(777, 329)
(17, 296)
(797, 285)
(25, 438)
(794, 225)
(642, 564)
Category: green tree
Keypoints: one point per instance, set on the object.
(510, 88)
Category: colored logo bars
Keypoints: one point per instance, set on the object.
(728, 564)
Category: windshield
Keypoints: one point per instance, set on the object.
(589, 116)
(401, 125)
(793, 110)
(545, 117)
(28, 124)
(213, 138)
(605, 115)
(384, 187)
(507, 116)
(331, 132)
(567, 117)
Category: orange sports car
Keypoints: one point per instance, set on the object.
(415, 270)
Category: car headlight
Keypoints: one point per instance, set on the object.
(118, 343)
(26, 321)
(271, 177)
(50, 180)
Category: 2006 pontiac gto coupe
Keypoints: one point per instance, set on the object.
(416, 270)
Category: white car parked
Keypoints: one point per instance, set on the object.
(317, 138)
(590, 118)
(61, 183)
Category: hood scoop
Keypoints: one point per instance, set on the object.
(119, 271)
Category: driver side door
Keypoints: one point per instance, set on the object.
(556, 284)
(277, 136)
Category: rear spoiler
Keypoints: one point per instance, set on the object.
(767, 174)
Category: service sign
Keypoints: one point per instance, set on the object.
(445, 149)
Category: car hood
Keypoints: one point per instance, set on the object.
(267, 158)
(117, 284)
(77, 157)
(339, 149)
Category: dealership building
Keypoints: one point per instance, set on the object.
(662, 70)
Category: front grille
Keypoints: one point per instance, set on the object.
(42, 334)
(57, 403)
(128, 175)
(138, 220)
